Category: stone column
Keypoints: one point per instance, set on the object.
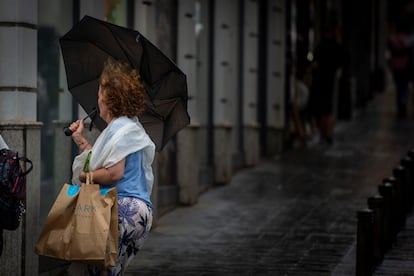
(144, 22)
(275, 117)
(225, 87)
(155, 20)
(249, 83)
(203, 21)
(18, 125)
(187, 150)
(144, 19)
(18, 256)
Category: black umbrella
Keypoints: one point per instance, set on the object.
(88, 45)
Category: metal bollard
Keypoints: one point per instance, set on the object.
(402, 174)
(376, 204)
(385, 190)
(411, 155)
(364, 258)
(408, 163)
(397, 210)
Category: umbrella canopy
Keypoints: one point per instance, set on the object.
(87, 46)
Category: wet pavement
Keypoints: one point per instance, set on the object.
(293, 214)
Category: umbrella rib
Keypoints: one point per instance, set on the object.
(107, 26)
(123, 51)
(86, 41)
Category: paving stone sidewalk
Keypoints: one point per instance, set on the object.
(294, 214)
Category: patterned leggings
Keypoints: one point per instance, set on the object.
(135, 221)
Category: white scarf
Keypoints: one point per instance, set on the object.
(120, 138)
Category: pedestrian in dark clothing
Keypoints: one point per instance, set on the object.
(328, 57)
(398, 45)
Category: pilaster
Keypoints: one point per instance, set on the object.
(18, 126)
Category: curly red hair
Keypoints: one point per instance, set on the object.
(122, 89)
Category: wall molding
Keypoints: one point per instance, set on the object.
(18, 24)
(18, 89)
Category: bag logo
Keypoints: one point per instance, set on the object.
(82, 210)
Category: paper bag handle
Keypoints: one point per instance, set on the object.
(89, 178)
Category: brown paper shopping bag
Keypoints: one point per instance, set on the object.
(82, 226)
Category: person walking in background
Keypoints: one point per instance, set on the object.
(399, 61)
(121, 157)
(328, 57)
(299, 99)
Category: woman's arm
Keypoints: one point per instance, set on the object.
(105, 176)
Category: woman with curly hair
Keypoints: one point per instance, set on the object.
(121, 157)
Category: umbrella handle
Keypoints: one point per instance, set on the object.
(92, 115)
